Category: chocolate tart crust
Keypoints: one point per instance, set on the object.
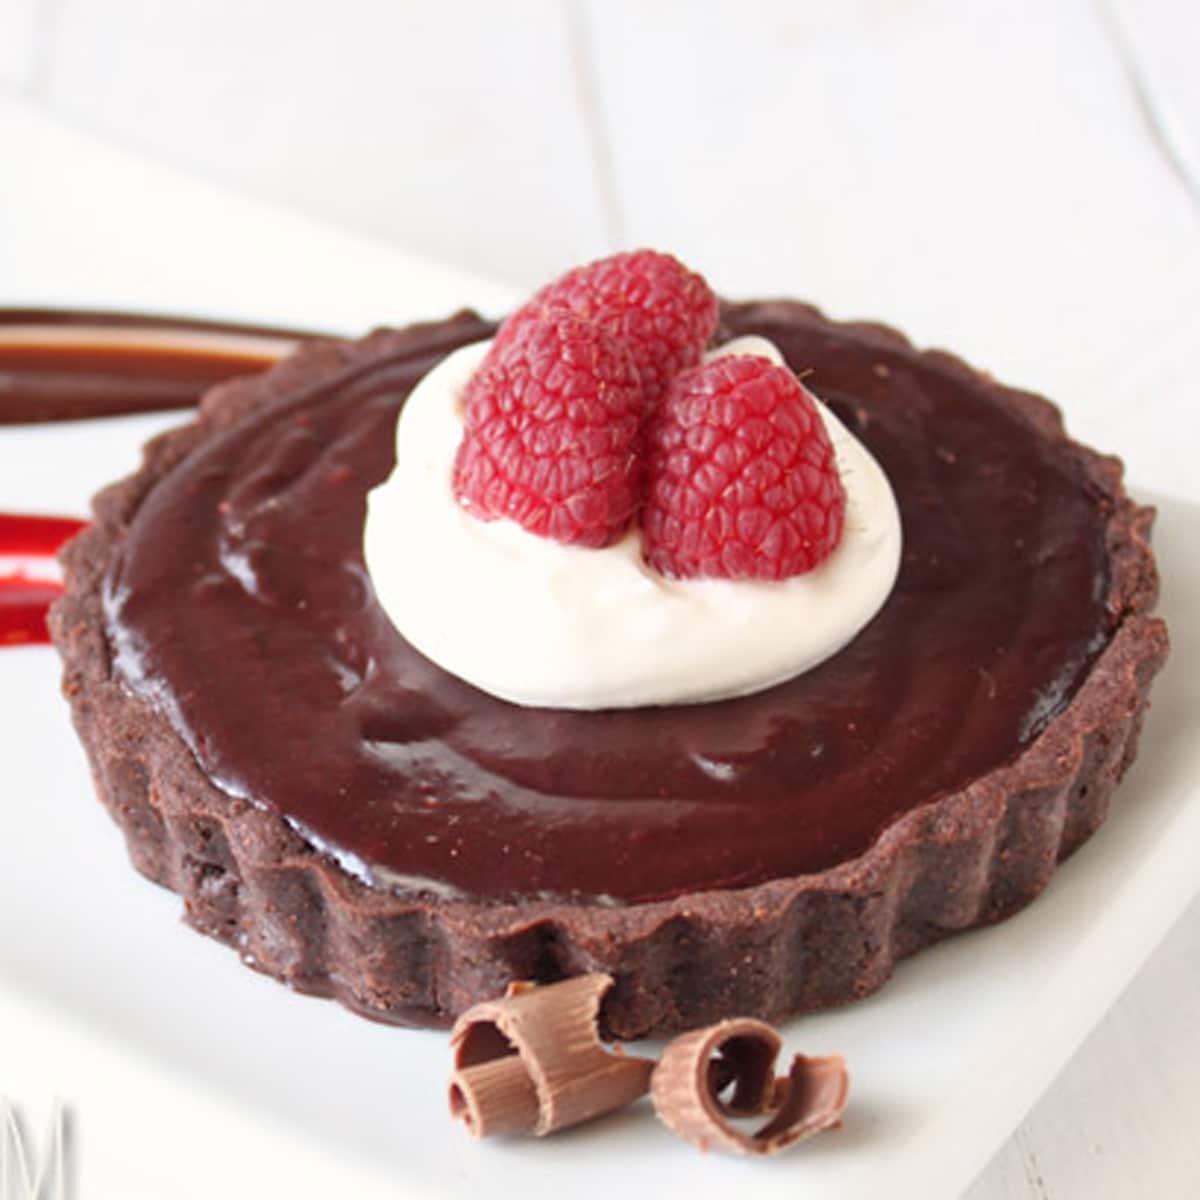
(791, 945)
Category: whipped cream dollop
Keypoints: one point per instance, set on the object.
(541, 623)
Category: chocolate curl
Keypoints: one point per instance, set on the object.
(533, 1063)
(696, 1068)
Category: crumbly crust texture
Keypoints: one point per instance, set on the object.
(788, 946)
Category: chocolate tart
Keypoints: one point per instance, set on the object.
(360, 824)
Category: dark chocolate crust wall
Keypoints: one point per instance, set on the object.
(954, 791)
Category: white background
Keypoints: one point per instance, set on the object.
(1017, 181)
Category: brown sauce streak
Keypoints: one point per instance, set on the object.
(67, 381)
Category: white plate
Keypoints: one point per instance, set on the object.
(188, 1074)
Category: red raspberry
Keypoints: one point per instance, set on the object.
(650, 302)
(550, 436)
(741, 481)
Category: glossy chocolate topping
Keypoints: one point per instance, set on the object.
(240, 604)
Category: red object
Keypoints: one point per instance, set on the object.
(650, 302)
(27, 534)
(550, 435)
(23, 606)
(741, 481)
(23, 600)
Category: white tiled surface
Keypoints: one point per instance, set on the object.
(18, 40)
(424, 124)
(1016, 180)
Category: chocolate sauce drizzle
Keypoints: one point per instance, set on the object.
(81, 375)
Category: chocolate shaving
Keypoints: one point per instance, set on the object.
(696, 1069)
(532, 1062)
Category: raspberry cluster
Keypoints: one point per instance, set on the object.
(594, 405)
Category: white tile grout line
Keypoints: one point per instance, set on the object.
(587, 89)
(1169, 135)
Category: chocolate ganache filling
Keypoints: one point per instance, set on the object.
(240, 605)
